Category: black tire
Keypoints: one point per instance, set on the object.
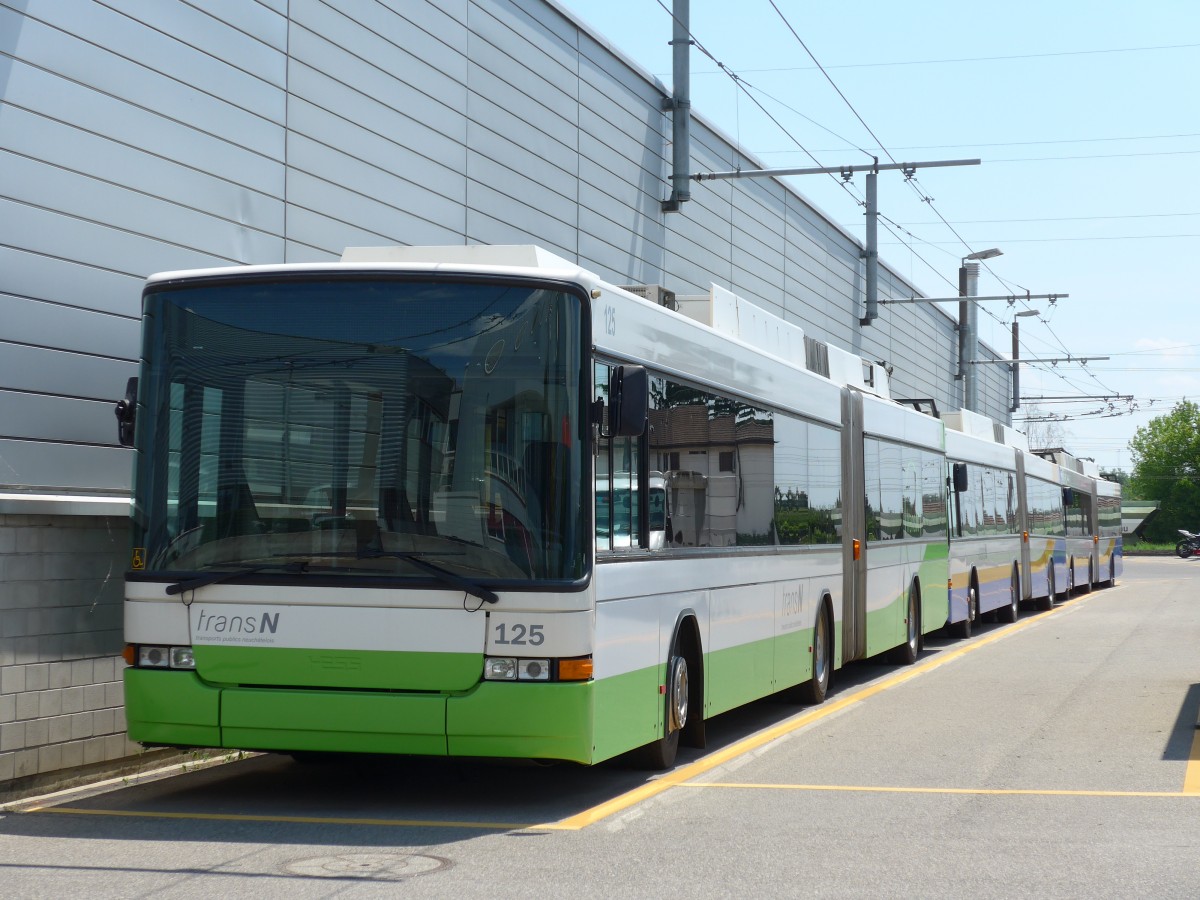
(814, 690)
(1183, 550)
(1086, 588)
(906, 653)
(660, 754)
(962, 630)
(1010, 613)
(1047, 602)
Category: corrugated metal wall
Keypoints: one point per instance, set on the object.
(138, 137)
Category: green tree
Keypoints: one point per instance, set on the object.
(1166, 468)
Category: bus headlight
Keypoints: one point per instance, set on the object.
(154, 657)
(510, 668)
(500, 668)
(182, 658)
(151, 656)
(533, 669)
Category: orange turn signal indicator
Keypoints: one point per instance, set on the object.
(579, 669)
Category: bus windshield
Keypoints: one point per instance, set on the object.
(367, 425)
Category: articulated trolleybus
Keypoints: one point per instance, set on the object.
(472, 501)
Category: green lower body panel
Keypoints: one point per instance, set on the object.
(360, 722)
(527, 721)
(172, 708)
(523, 720)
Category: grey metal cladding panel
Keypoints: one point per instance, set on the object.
(602, 69)
(758, 208)
(632, 258)
(297, 252)
(621, 160)
(499, 223)
(52, 234)
(555, 117)
(70, 148)
(243, 35)
(617, 221)
(349, 88)
(340, 220)
(545, 22)
(445, 19)
(47, 371)
(68, 328)
(545, 69)
(487, 115)
(322, 106)
(82, 197)
(691, 271)
(525, 120)
(752, 284)
(372, 184)
(64, 281)
(345, 50)
(118, 76)
(608, 172)
(636, 259)
(89, 110)
(522, 175)
(754, 241)
(38, 417)
(65, 466)
(264, 20)
(425, 30)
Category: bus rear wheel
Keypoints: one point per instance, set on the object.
(906, 653)
(1047, 602)
(1009, 613)
(814, 690)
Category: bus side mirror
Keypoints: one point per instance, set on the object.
(1068, 496)
(127, 413)
(629, 396)
(960, 477)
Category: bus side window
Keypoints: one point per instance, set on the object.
(617, 491)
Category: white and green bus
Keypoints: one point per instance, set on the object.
(473, 501)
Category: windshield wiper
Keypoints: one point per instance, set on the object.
(443, 575)
(190, 584)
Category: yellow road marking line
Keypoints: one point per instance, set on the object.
(865, 789)
(686, 773)
(302, 820)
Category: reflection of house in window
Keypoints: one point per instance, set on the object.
(718, 460)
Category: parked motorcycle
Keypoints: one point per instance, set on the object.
(1189, 546)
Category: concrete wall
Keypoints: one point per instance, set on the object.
(140, 137)
(60, 626)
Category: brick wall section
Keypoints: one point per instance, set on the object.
(61, 593)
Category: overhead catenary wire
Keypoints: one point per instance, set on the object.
(748, 90)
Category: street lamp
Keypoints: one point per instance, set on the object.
(968, 324)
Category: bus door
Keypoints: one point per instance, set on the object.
(1023, 525)
(854, 532)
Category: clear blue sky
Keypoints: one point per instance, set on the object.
(1087, 120)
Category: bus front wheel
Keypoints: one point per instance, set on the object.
(660, 754)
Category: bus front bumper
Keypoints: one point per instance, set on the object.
(494, 719)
